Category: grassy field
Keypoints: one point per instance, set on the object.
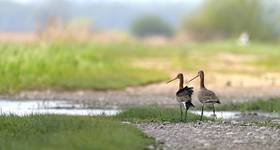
(72, 132)
(272, 105)
(70, 66)
(69, 133)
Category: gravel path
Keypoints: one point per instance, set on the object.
(219, 136)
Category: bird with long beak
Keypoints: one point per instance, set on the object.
(183, 95)
(205, 96)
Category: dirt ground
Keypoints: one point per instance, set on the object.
(160, 94)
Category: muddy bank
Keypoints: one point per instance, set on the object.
(212, 136)
(156, 94)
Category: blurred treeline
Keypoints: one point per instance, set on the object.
(201, 20)
(227, 19)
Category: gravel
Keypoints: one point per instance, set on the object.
(210, 135)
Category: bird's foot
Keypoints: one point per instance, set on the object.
(214, 115)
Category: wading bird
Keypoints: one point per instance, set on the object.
(183, 95)
(205, 96)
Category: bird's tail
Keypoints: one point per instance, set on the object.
(188, 104)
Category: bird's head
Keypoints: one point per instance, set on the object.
(199, 74)
(179, 76)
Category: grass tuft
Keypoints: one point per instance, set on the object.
(155, 114)
(271, 105)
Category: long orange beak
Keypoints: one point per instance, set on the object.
(192, 79)
(172, 80)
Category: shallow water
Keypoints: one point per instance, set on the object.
(22, 108)
(236, 115)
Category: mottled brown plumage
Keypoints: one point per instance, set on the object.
(205, 96)
(183, 95)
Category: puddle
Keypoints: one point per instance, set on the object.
(236, 115)
(22, 108)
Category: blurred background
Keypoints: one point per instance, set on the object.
(115, 44)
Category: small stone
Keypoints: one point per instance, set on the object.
(234, 122)
(262, 137)
(161, 142)
(206, 144)
(262, 128)
(126, 122)
(239, 142)
(165, 123)
(151, 147)
(250, 133)
(230, 133)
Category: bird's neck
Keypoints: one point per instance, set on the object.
(202, 82)
(181, 83)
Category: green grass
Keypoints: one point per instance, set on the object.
(48, 132)
(272, 105)
(155, 114)
(267, 123)
(89, 65)
(69, 133)
(70, 66)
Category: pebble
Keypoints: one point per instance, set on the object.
(151, 147)
(126, 122)
(250, 133)
(239, 142)
(233, 122)
(212, 135)
(230, 133)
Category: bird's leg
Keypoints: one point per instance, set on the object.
(201, 112)
(214, 110)
(181, 111)
(186, 114)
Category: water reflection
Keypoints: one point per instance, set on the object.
(237, 115)
(22, 108)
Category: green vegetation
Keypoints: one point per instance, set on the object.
(76, 132)
(69, 133)
(272, 105)
(228, 19)
(151, 25)
(268, 123)
(70, 66)
(155, 114)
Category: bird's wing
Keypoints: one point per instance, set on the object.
(208, 96)
(185, 94)
(185, 91)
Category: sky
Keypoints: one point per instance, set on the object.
(104, 13)
(190, 1)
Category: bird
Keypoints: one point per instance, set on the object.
(183, 95)
(205, 96)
